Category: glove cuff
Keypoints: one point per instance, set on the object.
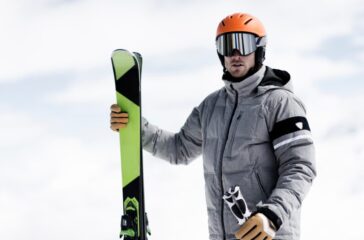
(277, 222)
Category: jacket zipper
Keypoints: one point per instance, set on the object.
(222, 157)
(234, 131)
(260, 183)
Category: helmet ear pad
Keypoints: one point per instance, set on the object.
(222, 60)
(259, 58)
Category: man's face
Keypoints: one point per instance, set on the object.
(238, 65)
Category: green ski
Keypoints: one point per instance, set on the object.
(127, 73)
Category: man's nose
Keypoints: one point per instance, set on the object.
(236, 52)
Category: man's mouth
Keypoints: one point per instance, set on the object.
(237, 64)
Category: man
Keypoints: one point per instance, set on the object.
(252, 133)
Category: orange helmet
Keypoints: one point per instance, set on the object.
(241, 22)
(241, 32)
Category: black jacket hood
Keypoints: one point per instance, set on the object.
(275, 77)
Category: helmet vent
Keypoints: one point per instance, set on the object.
(222, 22)
(246, 23)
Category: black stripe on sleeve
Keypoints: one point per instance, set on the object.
(289, 125)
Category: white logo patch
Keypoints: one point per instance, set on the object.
(299, 125)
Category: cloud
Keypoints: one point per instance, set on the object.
(342, 47)
(17, 129)
(84, 89)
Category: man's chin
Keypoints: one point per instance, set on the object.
(238, 74)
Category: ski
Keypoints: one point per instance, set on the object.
(127, 74)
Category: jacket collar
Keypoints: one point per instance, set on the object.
(247, 86)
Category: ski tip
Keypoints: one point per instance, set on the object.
(137, 54)
(117, 51)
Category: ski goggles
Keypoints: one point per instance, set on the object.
(245, 43)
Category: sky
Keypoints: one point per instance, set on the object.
(59, 160)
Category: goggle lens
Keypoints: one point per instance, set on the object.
(245, 43)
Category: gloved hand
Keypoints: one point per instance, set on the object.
(257, 227)
(118, 119)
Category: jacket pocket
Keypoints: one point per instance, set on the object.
(260, 183)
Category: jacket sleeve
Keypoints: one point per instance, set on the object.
(177, 148)
(291, 139)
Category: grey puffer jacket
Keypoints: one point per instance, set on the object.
(253, 134)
